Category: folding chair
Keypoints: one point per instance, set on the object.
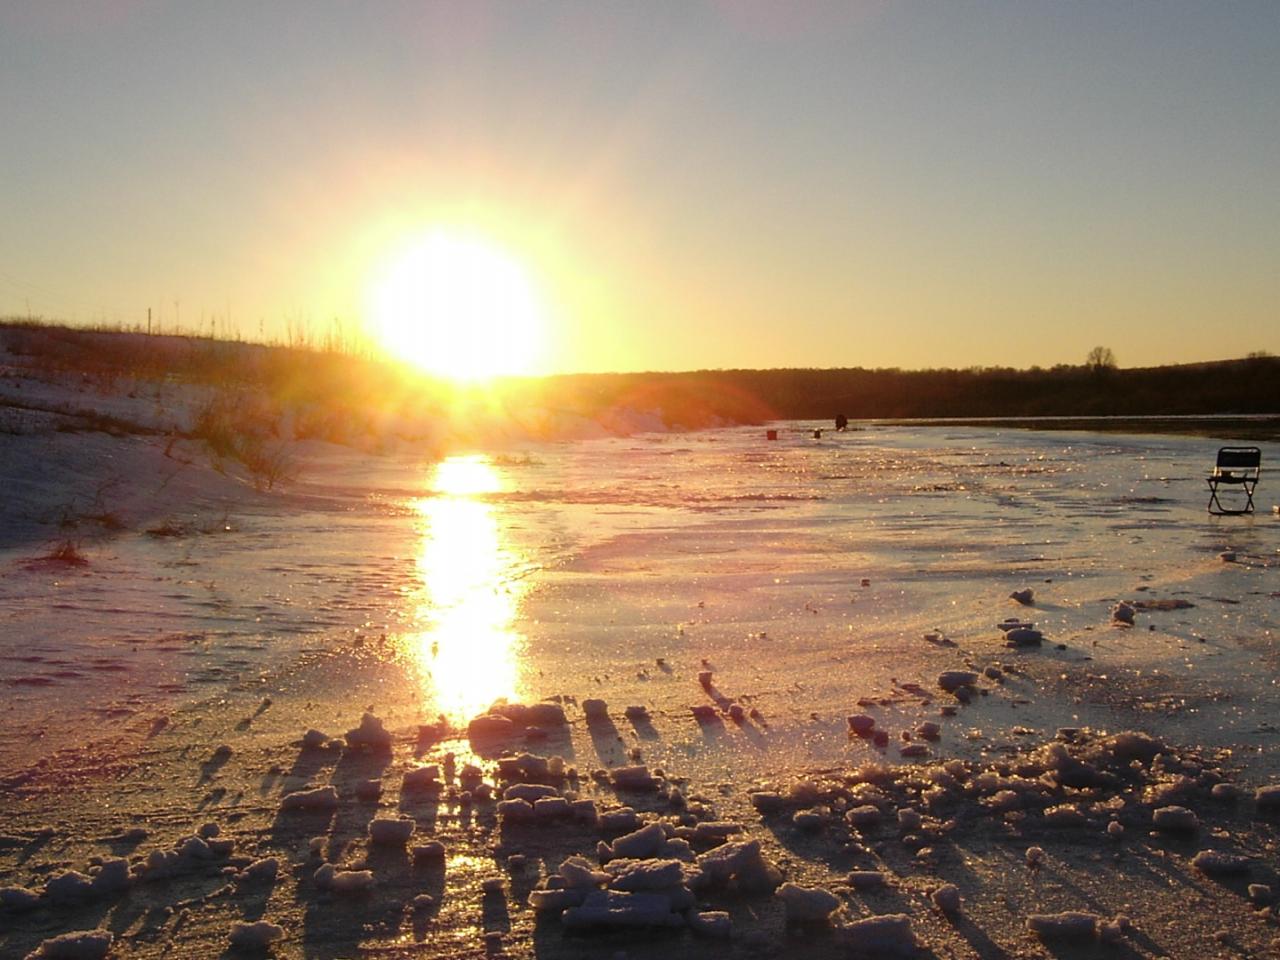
(1236, 466)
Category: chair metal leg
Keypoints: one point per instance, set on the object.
(1223, 511)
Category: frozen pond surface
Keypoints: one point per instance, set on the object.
(162, 685)
(805, 573)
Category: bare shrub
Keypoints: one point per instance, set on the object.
(246, 429)
(169, 528)
(67, 553)
(269, 462)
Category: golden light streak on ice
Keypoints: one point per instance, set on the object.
(467, 652)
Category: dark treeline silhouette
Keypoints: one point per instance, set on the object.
(327, 378)
(1247, 386)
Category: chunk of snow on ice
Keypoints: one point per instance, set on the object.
(194, 848)
(809, 820)
(1225, 792)
(616, 908)
(79, 945)
(1175, 819)
(556, 899)
(1126, 746)
(632, 778)
(529, 792)
(1113, 931)
(864, 815)
(255, 936)
(807, 904)
(515, 810)
(953, 680)
(264, 869)
(159, 864)
(739, 863)
(767, 802)
(889, 933)
(489, 728)
(862, 724)
(644, 874)
(424, 779)
(580, 872)
(946, 898)
(1065, 815)
(543, 715)
(1068, 925)
(1267, 799)
(1023, 637)
(112, 877)
(620, 820)
(391, 831)
(584, 810)
(18, 899)
(712, 924)
(320, 798)
(69, 887)
(370, 735)
(329, 877)
(551, 808)
(643, 843)
(1013, 623)
(314, 740)
(1215, 863)
(528, 768)
(711, 832)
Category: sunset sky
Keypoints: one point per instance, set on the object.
(683, 184)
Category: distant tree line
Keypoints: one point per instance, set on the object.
(1097, 388)
(336, 387)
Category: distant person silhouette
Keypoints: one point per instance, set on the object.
(841, 421)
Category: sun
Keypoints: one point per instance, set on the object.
(459, 307)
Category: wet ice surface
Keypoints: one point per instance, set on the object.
(614, 568)
(802, 575)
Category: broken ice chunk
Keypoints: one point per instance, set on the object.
(807, 904)
(370, 735)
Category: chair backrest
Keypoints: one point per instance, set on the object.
(1239, 458)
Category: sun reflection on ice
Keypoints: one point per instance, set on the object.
(467, 651)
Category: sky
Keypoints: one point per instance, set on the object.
(687, 184)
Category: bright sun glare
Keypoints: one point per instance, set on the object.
(459, 307)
